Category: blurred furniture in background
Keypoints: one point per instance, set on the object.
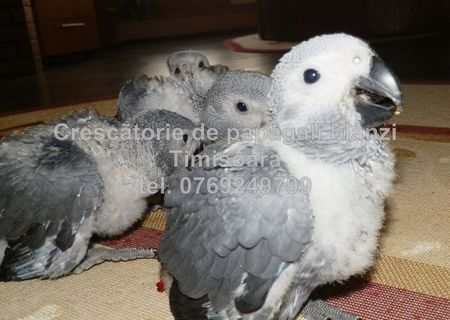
(123, 20)
(66, 26)
(296, 20)
(31, 29)
(19, 46)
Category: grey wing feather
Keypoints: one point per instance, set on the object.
(155, 93)
(131, 96)
(48, 189)
(213, 239)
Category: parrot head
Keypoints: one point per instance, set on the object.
(334, 73)
(182, 62)
(237, 100)
(168, 136)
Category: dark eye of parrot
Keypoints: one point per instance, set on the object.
(185, 137)
(201, 64)
(311, 76)
(242, 107)
(177, 70)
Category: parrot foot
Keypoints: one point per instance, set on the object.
(96, 256)
(319, 310)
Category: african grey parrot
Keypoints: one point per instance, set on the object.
(80, 175)
(238, 99)
(156, 93)
(250, 239)
(186, 61)
(193, 68)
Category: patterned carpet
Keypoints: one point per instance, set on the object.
(411, 279)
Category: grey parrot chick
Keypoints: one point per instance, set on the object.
(186, 61)
(80, 175)
(252, 239)
(198, 83)
(158, 93)
(194, 69)
(236, 100)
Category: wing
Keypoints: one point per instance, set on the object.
(48, 190)
(144, 93)
(216, 240)
(198, 83)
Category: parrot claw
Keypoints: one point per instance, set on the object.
(99, 255)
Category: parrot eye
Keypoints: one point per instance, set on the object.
(185, 137)
(311, 76)
(177, 70)
(242, 107)
(201, 64)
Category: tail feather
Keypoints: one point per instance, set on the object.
(186, 308)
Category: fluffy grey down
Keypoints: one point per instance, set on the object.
(56, 193)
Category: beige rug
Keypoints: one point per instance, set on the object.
(411, 279)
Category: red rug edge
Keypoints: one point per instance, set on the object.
(388, 303)
(141, 237)
(441, 131)
(238, 48)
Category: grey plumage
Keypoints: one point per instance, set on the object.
(58, 188)
(222, 232)
(184, 307)
(186, 61)
(43, 205)
(319, 310)
(157, 93)
(202, 98)
(223, 102)
(198, 83)
(99, 255)
(194, 69)
(258, 254)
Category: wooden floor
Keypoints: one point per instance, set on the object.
(102, 73)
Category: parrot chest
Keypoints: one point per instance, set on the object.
(347, 220)
(123, 203)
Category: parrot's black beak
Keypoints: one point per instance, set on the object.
(378, 96)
